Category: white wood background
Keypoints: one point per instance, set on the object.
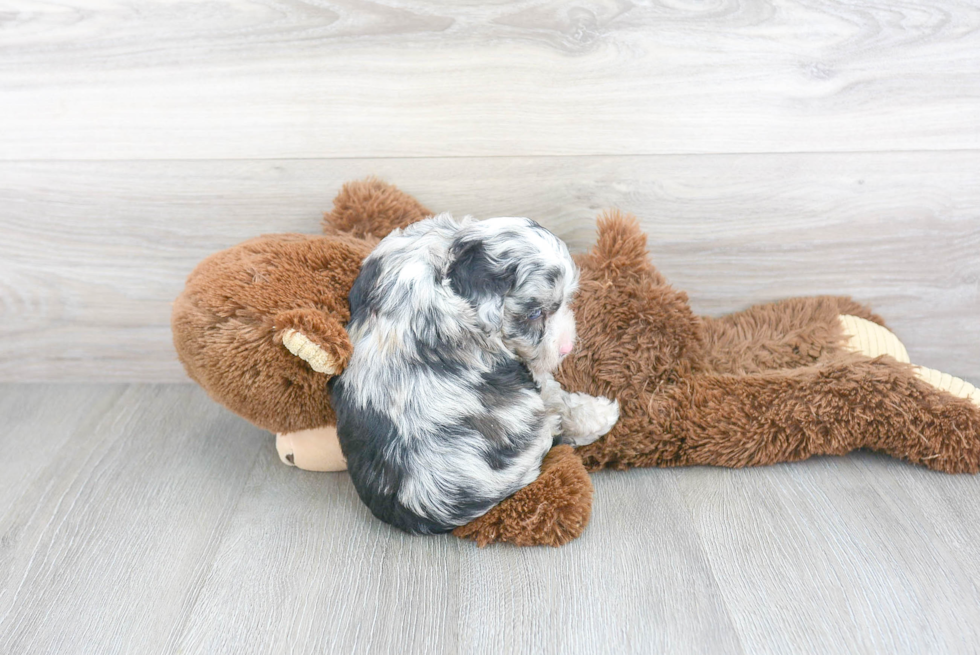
(771, 148)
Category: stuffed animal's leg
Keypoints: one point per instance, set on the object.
(551, 511)
(873, 340)
(828, 409)
(948, 383)
(785, 334)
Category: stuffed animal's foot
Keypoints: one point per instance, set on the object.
(317, 449)
(873, 340)
(948, 383)
(551, 511)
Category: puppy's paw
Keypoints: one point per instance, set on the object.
(587, 418)
(607, 413)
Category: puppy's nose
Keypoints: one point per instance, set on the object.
(565, 348)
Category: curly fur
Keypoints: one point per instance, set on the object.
(447, 405)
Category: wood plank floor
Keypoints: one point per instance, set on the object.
(144, 518)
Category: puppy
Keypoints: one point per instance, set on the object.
(447, 405)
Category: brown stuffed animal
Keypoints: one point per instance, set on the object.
(777, 382)
(261, 325)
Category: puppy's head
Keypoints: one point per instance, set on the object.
(520, 279)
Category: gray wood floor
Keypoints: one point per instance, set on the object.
(145, 519)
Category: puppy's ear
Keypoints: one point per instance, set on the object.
(476, 276)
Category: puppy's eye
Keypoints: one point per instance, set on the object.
(534, 315)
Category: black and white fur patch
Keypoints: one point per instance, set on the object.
(448, 405)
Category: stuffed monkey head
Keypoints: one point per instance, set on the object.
(261, 325)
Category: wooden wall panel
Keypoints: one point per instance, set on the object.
(93, 252)
(128, 79)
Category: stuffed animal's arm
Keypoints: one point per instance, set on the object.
(785, 334)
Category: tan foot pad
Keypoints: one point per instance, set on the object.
(946, 382)
(869, 338)
(312, 450)
(318, 359)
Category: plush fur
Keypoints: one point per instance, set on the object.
(229, 321)
(448, 405)
(767, 385)
(770, 384)
(550, 512)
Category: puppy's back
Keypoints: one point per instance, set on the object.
(448, 485)
(433, 434)
(366, 436)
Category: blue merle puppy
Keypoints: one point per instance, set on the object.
(448, 404)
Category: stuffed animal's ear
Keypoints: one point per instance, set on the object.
(476, 277)
(317, 339)
(371, 208)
